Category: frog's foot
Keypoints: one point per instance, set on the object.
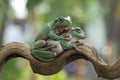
(38, 44)
(43, 55)
(66, 45)
(42, 59)
(67, 37)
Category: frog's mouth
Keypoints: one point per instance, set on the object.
(62, 26)
(60, 29)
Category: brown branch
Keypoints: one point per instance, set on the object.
(84, 51)
(102, 69)
(16, 49)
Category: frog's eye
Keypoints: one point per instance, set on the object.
(61, 20)
(78, 30)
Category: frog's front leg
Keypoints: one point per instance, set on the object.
(66, 45)
(43, 55)
(39, 44)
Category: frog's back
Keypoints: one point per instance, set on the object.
(43, 32)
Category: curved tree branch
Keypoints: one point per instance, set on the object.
(16, 49)
(83, 51)
(102, 69)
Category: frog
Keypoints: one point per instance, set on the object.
(73, 35)
(77, 33)
(52, 30)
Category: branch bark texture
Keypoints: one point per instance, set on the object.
(82, 51)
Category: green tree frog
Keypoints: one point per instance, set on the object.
(71, 35)
(42, 49)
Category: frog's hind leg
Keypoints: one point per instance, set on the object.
(39, 44)
(43, 55)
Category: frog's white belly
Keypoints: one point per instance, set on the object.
(55, 46)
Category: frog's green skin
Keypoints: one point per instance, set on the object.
(48, 31)
(77, 32)
(44, 54)
(73, 36)
(47, 54)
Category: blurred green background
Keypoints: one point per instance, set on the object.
(21, 19)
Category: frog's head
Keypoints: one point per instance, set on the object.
(77, 32)
(62, 22)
